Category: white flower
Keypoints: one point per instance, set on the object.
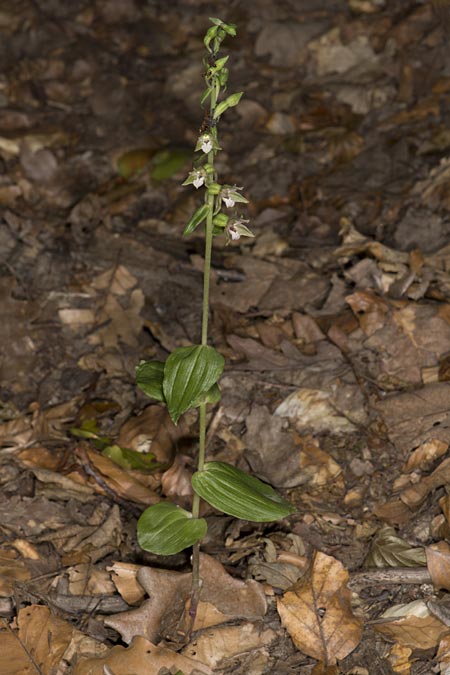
(228, 201)
(206, 144)
(236, 229)
(198, 180)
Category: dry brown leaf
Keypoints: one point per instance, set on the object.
(87, 580)
(124, 578)
(394, 512)
(153, 431)
(423, 456)
(264, 432)
(412, 625)
(140, 658)
(370, 310)
(413, 417)
(12, 569)
(176, 481)
(131, 485)
(14, 659)
(443, 654)
(438, 562)
(414, 495)
(314, 409)
(224, 642)
(317, 612)
(45, 636)
(322, 669)
(170, 590)
(118, 316)
(400, 659)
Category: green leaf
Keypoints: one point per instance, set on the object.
(237, 493)
(89, 430)
(134, 161)
(165, 529)
(131, 459)
(196, 219)
(168, 162)
(213, 395)
(204, 96)
(229, 102)
(149, 378)
(210, 35)
(190, 372)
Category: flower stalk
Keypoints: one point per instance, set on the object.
(188, 378)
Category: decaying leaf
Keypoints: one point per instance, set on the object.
(140, 658)
(124, 577)
(412, 625)
(423, 456)
(390, 550)
(169, 591)
(314, 409)
(317, 613)
(443, 654)
(12, 569)
(223, 642)
(400, 658)
(414, 495)
(438, 562)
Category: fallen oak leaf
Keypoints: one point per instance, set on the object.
(316, 611)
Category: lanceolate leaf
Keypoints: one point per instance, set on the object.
(165, 529)
(132, 459)
(229, 102)
(237, 493)
(149, 378)
(198, 217)
(190, 372)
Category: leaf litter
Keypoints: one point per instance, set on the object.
(335, 319)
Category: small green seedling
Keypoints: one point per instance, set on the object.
(188, 378)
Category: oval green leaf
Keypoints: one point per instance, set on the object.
(165, 529)
(237, 493)
(196, 219)
(149, 378)
(213, 395)
(190, 372)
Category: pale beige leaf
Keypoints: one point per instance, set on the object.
(317, 612)
(423, 456)
(124, 578)
(412, 625)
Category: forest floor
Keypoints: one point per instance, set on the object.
(334, 322)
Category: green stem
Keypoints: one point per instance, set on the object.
(196, 581)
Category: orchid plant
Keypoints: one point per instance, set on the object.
(188, 378)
